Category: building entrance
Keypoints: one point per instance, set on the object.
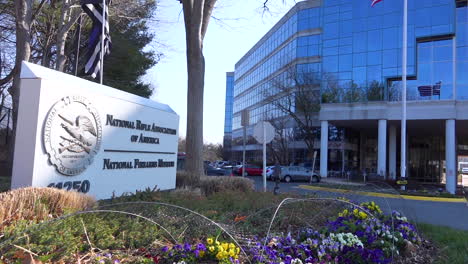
(425, 158)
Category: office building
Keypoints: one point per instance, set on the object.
(227, 148)
(355, 49)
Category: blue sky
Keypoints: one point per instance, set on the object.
(237, 25)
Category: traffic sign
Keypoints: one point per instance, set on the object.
(260, 134)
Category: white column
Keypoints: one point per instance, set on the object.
(450, 157)
(324, 149)
(392, 152)
(382, 149)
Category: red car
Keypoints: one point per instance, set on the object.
(251, 170)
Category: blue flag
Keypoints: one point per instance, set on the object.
(93, 59)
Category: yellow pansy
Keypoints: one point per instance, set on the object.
(225, 246)
(209, 241)
(211, 248)
(362, 215)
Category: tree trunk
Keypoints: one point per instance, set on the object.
(65, 23)
(61, 58)
(23, 11)
(196, 81)
(197, 14)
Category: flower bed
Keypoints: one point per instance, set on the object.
(359, 234)
(346, 233)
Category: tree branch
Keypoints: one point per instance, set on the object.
(9, 77)
(207, 11)
(41, 4)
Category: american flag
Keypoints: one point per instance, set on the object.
(430, 90)
(436, 88)
(93, 59)
(375, 2)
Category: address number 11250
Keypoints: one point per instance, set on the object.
(79, 186)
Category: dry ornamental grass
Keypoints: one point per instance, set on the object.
(39, 204)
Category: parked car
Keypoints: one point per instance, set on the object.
(212, 171)
(220, 163)
(250, 170)
(298, 173)
(269, 172)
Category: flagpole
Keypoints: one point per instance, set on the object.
(403, 100)
(104, 19)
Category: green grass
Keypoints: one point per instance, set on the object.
(452, 243)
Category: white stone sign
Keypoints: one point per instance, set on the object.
(78, 135)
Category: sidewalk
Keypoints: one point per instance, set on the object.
(383, 194)
(341, 181)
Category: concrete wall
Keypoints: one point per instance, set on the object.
(416, 110)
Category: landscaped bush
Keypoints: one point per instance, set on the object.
(214, 184)
(185, 179)
(38, 204)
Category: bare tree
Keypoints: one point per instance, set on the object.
(284, 135)
(331, 90)
(23, 13)
(375, 91)
(298, 96)
(68, 18)
(197, 15)
(38, 30)
(212, 152)
(352, 93)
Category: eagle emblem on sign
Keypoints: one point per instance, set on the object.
(78, 141)
(72, 134)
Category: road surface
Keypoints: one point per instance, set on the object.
(450, 214)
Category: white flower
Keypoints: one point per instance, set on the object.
(344, 239)
(296, 261)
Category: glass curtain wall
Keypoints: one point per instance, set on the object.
(362, 46)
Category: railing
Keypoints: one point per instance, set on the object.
(6, 125)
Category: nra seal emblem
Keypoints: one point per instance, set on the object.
(72, 134)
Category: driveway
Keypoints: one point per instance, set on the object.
(450, 214)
